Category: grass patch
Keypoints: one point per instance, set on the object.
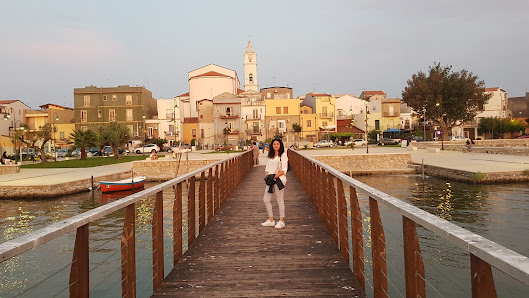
(478, 176)
(87, 163)
(526, 172)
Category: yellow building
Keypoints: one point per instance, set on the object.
(189, 129)
(279, 116)
(308, 121)
(390, 113)
(60, 118)
(324, 106)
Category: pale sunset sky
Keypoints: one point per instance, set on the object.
(48, 48)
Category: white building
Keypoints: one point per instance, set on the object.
(169, 120)
(253, 115)
(12, 113)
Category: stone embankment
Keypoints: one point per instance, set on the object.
(9, 169)
(367, 164)
(474, 177)
(500, 146)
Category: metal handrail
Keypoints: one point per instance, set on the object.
(498, 256)
(21, 244)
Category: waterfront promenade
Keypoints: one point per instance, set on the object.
(471, 162)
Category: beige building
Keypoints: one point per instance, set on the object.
(280, 114)
(308, 121)
(206, 123)
(227, 115)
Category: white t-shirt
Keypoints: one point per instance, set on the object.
(276, 164)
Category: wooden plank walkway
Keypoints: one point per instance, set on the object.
(236, 257)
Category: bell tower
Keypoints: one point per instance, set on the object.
(250, 69)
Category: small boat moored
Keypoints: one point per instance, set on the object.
(125, 184)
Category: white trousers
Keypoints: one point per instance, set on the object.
(267, 199)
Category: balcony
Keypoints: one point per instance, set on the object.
(229, 116)
(327, 115)
(252, 117)
(388, 114)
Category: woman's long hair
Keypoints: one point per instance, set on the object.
(271, 151)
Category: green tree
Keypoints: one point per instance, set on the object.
(297, 129)
(372, 135)
(114, 135)
(83, 139)
(38, 138)
(159, 142)
(446, 96)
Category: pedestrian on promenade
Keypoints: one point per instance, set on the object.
(470, 144)
(153, 155)
(255, 151)
(276, 169)
(3, 158)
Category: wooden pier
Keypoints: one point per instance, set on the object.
(235, 256)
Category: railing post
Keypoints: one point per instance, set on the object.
(326, 196)
(177, 225)
(482, 279)
(342, 221)
(79, 272)
(378, 249)
(357, 234)
(331, 196)
(216, 197)
(413, 264)
(157, 242)
(202, 202)
(210, 194)
(191, 220)
(128, 254)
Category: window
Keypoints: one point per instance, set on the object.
(201, 116)
(202, 133)
(112, 115)
(268, 95)
(256, 127)
(169, 114)
(171, 129)
(282, 126)
(391, 112)
(104, 97)
(324, 124)
(231, 125)
(129, 115)
(255, 114)
(285, 110)
(228, 111)
(84, 128)
(130, 127)
(61, 134)
(324, 111)
(250, 77)
(150, 132)
(194, 132)
(309, 123)
(278, 110)
(86, 100)
(99, 114)
(114, 97)
(128, 100)
(84, 116)
(377, 124)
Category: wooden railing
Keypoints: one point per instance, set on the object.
(325, 187)
(222, 178)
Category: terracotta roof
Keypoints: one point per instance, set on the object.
(4, 102)
(239, 91)
(185, 94)
(204, 99)
(52, 104)
(494, 89)
(377, 92)
(319, 94)
(211, 74)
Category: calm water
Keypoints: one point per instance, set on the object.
(497, 212)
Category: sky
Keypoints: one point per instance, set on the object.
(48, 48)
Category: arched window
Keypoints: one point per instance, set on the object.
(250, 77)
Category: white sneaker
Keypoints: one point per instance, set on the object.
(268, 223)
(280, 224)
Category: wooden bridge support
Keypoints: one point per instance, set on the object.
(79, 277)
(128, 253)
(157, 242)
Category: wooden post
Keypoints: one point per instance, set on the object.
(357, 238)
(79, 272)
(482, 279)
(413, 264)
(216, 197)
(378, 249)
(331, 196)
(177, 225)
(128, 254)
(191, 222)
(202, 202)
(210, 194)
(157, 242)
(342, 221)
(326, 200)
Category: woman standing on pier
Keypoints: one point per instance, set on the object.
(276, 169)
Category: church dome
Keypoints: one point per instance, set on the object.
(249, 49)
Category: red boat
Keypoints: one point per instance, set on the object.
(116, 195)
(125, 184)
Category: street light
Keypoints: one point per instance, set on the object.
(143, 137)
(424, 124)
(6, 117)
(54, 127)
(439, 104)
(367, 140)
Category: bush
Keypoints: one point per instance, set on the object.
(478, 176)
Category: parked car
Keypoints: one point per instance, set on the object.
(387, 141)
(221, 147)
(178, 146)
(147, 148)
(357, 142)
(324, 143)
(107, 151)
(95, 151)
(456, 138)
(62, 152)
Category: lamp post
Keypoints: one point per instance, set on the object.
(440, 105)
(6, 117)
(424, 123)
(54, 127)
(367, 140)
(143, 136)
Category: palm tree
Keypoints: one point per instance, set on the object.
(83, 139)
(114, 135)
